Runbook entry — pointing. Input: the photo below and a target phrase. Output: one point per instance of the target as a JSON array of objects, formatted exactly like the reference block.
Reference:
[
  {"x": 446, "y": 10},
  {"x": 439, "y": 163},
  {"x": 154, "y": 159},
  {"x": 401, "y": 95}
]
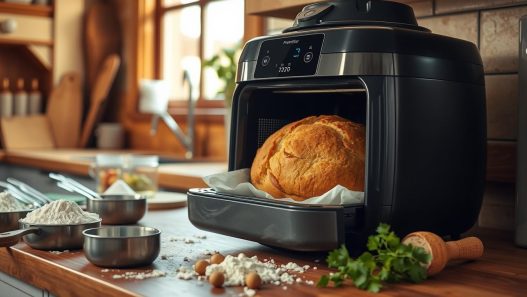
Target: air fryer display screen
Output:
[{"x": 293, "y": 56}]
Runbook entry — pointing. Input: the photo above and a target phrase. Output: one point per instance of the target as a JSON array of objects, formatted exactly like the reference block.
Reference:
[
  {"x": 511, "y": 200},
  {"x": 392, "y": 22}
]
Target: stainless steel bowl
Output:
[
  {"x": 57, "y": 237},
  {"x": 48, "y": 237},
  {"x": 118, "y": 209},
  {"x": 122, "y": 246},
  {"x": 9, "y": 219}
]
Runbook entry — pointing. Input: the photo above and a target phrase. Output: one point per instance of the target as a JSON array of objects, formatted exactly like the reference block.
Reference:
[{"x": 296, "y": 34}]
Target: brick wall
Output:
[{"x": 493, "y": 25}]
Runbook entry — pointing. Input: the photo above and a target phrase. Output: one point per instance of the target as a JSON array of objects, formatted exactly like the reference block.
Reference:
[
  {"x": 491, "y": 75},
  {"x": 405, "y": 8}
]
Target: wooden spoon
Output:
[{"x": 442, "y": 252}]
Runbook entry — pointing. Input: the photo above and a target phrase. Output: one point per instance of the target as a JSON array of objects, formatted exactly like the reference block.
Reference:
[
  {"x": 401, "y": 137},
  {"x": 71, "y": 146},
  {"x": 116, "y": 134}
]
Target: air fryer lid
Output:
[{"x": 355, "y": 12}]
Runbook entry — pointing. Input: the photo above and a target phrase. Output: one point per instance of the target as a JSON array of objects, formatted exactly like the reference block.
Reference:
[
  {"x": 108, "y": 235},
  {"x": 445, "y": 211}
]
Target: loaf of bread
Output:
[{"x": 309, "y": 157}]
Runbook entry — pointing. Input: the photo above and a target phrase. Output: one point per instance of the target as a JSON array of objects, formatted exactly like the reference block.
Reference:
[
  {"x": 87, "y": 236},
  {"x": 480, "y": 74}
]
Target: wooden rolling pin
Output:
[{"x": 442, "y": 252}]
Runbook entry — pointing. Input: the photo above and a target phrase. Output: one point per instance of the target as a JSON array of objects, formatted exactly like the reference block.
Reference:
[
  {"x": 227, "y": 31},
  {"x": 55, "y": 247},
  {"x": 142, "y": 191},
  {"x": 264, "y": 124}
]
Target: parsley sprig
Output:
[{"x": 387, "y": 260}]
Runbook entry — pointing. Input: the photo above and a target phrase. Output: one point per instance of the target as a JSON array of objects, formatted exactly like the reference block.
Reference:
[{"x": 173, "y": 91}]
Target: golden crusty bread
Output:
[{"x": 309, "y": 157}]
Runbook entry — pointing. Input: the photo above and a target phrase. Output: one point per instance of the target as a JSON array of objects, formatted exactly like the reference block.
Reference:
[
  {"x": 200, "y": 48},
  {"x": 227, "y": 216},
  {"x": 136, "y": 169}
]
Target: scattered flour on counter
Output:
[
  {"x": 235, "y": 269},
  {"x": 59, "y": 252},
  {"x": 60, "y": 212},
  {"x": 185, "y": 272},
  {"x": 9, "y": 203},
  {"x": 248, "y": 292},
  {"x": 139, "y": 275},
  {"x": 119, "y": 187},
  {"x": 186, "y": 240}
]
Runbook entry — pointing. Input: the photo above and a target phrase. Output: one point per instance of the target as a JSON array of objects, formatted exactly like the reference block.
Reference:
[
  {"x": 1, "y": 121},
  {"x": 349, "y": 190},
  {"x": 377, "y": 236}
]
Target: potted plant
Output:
[{"x": 225, "y": 64}]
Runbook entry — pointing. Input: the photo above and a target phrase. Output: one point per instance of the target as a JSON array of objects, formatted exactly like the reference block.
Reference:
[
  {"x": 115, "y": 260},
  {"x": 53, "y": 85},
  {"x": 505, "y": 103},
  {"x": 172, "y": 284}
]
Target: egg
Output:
[
  {"x": 201, "y": 266},
  {"x": 217, "y": 258},
  {"x": 216, "y": 279},
  {"x": 253, "y": 280}
]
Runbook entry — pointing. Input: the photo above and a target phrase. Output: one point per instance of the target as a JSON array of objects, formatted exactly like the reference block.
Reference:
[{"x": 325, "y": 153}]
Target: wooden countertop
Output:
[
  {"x": 501, "y": 272},
  {"x": 176, "y": 176}
]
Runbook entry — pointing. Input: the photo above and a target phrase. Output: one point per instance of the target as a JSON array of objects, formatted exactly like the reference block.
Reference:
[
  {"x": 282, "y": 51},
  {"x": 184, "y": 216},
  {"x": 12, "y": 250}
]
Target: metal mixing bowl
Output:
[
  {"x": 48, "y": 237},
  {"x": 122, "y": 246},
  {"x": 9, "y": 219},
  {"x": 118, "y": 209}
]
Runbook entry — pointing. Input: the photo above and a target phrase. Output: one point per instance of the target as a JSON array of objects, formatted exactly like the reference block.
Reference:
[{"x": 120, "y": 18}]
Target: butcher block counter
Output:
[
  {"x": 501, "y": 272},
  {"x": 179, "y": 175}
]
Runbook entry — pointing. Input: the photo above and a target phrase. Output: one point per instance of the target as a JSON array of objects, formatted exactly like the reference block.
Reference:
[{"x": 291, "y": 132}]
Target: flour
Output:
[
  {"x": 139, "y": 275},
  {"x": 60, "y": 212},
  {"x": 9, "y": 203},
  {"x": 185, "y": 272},
  {"x": 119, "y": 187},
  {"x": 236, "y": 268}
]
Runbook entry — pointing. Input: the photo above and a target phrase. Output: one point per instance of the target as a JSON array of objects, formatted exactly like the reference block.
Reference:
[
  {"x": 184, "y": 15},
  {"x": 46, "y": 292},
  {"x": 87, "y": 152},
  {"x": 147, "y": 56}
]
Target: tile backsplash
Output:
[{"x": 493, "y": 26}]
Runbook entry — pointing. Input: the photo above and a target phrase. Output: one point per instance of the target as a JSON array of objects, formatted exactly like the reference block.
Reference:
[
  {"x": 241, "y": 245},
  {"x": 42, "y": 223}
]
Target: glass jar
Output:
[
  {"x": 106, "y": 170},
  {"x": 140, "y": 173}
]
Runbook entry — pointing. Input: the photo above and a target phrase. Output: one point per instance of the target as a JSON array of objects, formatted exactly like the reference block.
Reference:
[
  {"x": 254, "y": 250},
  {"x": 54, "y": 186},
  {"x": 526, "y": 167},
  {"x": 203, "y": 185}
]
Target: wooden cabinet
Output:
[{"x": 26, "y": 45}]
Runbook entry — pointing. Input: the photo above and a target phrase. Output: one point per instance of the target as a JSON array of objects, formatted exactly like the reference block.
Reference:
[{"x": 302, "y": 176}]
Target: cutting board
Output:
[
  {"x": 28, "y": 132},
  {"x": 167, "y": 200},
  {"x": 64, "y": 111},
  {"x": 99, "y": 94},
  {"x": 101, "y": 37}
]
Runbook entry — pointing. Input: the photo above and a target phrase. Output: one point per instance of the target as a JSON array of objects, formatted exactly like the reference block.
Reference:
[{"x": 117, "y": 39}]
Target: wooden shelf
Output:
[
  {"x": 12, "y": 41},
  {"x": 27, "y": 9}
]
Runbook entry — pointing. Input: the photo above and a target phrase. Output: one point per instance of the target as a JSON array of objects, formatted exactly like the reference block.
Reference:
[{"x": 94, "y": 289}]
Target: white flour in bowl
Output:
[
  {"x": 9, "y": 203},
  {"x": 60, "y": 212},
  {"x": 119, "y": 187}
]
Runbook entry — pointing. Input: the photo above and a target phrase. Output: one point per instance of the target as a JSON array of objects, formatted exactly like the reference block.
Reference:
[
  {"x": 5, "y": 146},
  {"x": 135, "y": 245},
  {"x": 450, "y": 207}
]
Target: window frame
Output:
[
  {"x": 150, "y": 13},
  {"x": 179, "y": 106}
]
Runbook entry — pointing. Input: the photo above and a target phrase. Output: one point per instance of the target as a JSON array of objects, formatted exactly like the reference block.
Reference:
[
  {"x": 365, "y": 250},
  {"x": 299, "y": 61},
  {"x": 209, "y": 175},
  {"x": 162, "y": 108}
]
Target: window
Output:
[{"x": 193, "y": 31}]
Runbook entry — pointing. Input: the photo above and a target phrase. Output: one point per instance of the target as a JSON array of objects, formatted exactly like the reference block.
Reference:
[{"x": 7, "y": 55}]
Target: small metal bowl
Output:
[
  {"x": 122, "y": 246},
  {"x": 48, "y": 237},
  {"x": 9, "y": 219},
  {"x": 118, "y": 209}
]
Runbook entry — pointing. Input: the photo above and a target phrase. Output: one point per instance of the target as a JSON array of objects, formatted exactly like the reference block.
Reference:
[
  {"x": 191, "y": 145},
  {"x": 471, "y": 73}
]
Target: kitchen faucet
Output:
[{"x": 186, "y": 140}]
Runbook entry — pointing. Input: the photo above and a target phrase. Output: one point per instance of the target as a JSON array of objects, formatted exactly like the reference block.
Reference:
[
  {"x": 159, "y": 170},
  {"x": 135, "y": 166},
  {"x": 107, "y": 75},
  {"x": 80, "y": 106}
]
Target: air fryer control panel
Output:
[{"x": 292, "y": 56}]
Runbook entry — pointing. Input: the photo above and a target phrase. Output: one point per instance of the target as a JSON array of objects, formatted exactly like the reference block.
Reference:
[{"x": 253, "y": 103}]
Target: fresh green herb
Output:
[{"x": 388, "y": 260}]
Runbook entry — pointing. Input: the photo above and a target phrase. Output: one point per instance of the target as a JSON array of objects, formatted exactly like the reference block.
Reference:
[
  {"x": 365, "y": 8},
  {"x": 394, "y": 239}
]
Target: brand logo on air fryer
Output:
[{"x": 292, "y": 41}]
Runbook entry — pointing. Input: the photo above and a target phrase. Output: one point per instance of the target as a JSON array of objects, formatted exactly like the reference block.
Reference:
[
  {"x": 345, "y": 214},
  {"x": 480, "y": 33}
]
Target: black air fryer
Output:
[{"x": 420, "y": 95}]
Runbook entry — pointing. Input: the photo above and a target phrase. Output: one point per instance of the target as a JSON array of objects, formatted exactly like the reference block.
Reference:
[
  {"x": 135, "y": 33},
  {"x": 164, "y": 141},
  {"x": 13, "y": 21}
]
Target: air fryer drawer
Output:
[{"x": 274, "y": 223}]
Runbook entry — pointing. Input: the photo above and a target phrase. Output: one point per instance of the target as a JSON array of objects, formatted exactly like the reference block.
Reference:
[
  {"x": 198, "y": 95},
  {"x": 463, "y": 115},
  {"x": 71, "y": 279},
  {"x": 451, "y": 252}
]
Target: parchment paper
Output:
[{"x": 238, "y": 183}]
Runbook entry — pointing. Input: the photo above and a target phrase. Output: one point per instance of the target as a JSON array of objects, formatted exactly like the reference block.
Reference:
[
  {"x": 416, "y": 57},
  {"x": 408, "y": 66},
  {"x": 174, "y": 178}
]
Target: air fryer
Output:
[{"x": 421, "y": 97}]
